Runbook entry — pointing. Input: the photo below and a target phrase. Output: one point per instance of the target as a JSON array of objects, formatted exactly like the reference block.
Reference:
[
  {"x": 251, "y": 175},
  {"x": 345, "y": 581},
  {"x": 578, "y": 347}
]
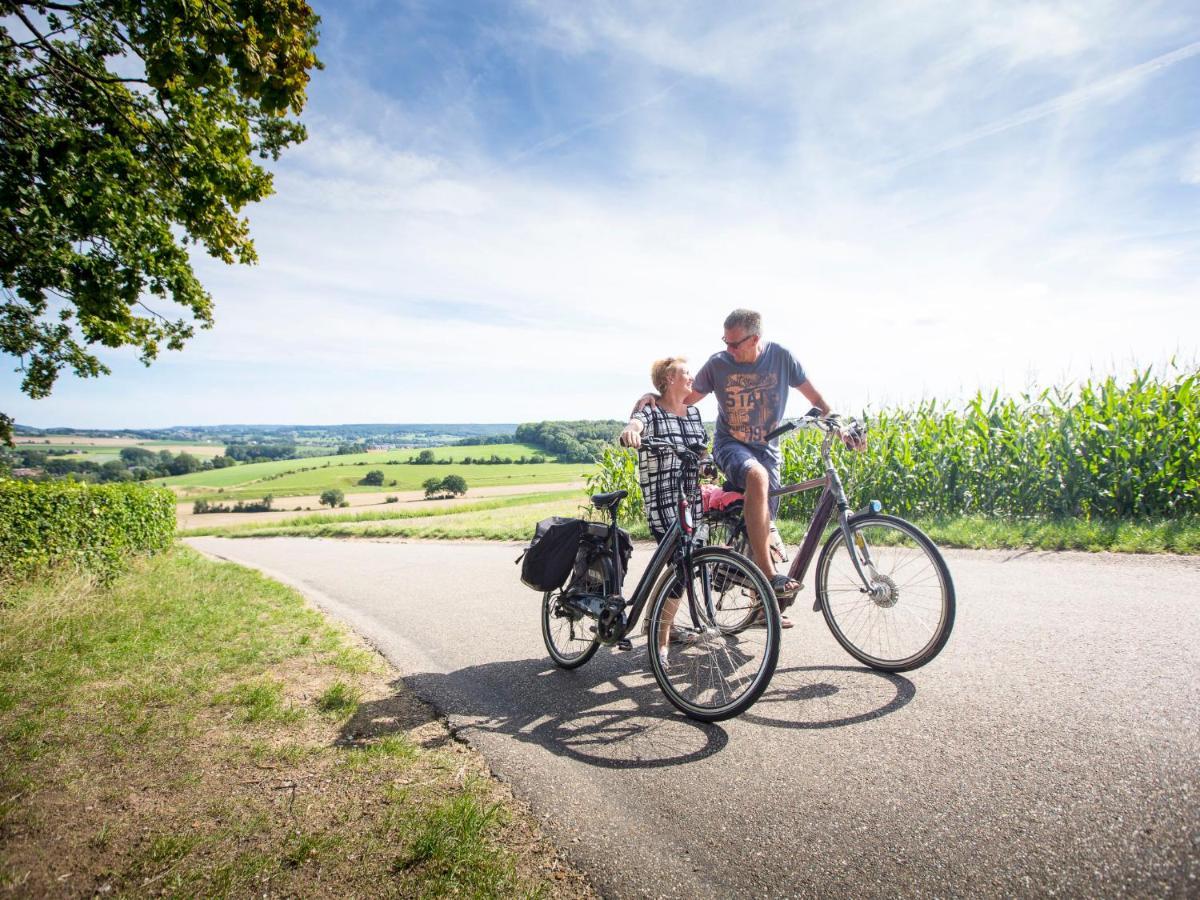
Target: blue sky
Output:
[{"x": 507, "y": 211}]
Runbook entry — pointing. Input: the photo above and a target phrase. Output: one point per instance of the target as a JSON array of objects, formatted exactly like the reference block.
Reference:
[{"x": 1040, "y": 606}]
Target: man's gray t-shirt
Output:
[{"x": 751, "y": 396}]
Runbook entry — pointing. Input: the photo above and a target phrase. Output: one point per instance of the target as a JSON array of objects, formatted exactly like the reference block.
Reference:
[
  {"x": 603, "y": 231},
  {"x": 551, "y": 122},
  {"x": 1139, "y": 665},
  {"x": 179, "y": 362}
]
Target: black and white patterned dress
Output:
[{"x": 659, "y": 474}]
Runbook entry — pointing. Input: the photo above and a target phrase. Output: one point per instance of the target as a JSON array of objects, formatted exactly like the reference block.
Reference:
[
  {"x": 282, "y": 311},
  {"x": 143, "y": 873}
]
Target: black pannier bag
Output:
[
  {"x": 550, "y": 556},
  {"x": 561, "y": 545},
  {"x": 593, "y": 573}
]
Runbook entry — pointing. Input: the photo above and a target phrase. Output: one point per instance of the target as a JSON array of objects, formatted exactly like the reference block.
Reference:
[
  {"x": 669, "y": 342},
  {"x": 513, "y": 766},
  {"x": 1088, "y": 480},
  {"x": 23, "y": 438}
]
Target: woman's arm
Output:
[{"x": 632, "y": 435}]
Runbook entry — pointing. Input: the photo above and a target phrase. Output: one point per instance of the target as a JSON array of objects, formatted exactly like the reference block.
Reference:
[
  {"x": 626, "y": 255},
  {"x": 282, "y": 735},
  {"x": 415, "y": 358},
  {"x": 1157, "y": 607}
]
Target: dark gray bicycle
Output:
[
  {"x": 883, "y": 586},
  {"x": 709, "y": 671}
]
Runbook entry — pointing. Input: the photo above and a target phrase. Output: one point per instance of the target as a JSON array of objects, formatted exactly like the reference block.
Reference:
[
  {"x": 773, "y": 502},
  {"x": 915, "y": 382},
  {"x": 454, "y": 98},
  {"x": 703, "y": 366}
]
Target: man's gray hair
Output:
[{"x": 746, "y": 319}]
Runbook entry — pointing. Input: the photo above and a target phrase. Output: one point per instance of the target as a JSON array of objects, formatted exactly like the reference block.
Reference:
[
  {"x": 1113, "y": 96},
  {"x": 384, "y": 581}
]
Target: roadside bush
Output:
[{"x": 92, "y": 527}]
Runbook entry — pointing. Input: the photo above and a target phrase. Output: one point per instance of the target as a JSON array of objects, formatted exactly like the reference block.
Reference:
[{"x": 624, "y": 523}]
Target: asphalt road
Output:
[{"x": 1053, "y": 747}]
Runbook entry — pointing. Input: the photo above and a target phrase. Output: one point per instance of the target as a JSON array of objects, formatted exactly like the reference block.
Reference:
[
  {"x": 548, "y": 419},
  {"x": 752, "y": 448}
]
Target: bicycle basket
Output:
[{"x": 550, "y": 557}]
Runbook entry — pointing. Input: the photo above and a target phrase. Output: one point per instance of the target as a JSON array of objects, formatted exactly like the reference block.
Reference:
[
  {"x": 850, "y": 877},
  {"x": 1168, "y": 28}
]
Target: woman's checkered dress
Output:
[{"x": 659, "y": 474}]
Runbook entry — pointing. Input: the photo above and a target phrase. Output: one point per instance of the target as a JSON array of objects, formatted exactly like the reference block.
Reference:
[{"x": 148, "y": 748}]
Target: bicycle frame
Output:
[
  {"x": 832, "y": 495},
  {"x": 676, "y": 547}
]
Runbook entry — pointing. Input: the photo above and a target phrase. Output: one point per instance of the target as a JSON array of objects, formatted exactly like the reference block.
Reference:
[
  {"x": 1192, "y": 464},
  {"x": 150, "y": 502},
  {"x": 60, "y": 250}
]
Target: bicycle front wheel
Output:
[
  {"x": 903, "y": 618},
  {"x": 569, "y": 637},
  {"x": 706, "y": 672}
]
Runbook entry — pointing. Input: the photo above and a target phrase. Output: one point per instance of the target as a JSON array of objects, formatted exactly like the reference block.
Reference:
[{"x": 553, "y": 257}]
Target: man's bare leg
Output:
[
  {"x": 758, "y": 521},
  {"x": 758, "y": 518}
]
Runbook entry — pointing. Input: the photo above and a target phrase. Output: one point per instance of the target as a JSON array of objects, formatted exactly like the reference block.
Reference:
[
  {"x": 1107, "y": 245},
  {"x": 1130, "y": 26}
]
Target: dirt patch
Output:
[
  {"x": 312, "y": 806},
  {"x": 359, "y": 502}
]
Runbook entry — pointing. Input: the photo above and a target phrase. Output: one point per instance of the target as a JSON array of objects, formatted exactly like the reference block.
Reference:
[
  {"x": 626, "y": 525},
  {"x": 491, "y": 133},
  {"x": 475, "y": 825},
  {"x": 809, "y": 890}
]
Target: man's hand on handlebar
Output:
[{"x": 855, "y": 437}]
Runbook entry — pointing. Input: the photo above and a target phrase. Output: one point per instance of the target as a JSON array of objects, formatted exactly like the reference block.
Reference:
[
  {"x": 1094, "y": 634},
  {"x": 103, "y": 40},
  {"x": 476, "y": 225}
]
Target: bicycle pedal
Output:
[{"x": 623, "y": 644}]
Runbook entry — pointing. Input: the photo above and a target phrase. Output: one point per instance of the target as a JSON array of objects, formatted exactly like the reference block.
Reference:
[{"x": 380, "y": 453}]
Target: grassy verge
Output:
[
  {"x": 985, "y": 533},
  {"x": 318, "y": 520},
  {"x": 509, "y": 523},
  {"x": 194, "y": 729},
  {"x": 513, "y": 519}
]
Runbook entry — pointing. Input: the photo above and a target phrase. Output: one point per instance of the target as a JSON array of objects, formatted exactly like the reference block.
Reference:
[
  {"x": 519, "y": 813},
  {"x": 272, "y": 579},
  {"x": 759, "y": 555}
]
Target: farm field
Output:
[
  {"x": 103, "y": 449},
  {"x": 363, "y": 506},
  {"x": 290, "y": 478}
]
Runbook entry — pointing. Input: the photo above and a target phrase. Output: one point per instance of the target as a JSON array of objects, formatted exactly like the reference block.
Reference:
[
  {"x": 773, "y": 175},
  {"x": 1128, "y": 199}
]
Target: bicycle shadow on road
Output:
[
  {"x": 610, "y": 712},
  {"x": 815, "y": 697}
]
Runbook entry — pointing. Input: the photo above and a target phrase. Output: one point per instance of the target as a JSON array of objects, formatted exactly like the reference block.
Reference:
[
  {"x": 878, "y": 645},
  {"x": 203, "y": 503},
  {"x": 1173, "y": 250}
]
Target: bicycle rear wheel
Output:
[
  {"x": 734, "y": 611},
  {"x": 570, "y": 637},
  {"x": 905, "y": 619},
  {"x": 709, "y": 673}
]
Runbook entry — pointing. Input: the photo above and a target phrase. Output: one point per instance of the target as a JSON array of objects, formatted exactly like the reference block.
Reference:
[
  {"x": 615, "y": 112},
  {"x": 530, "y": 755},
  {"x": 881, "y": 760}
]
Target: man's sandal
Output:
[{"x": 779, "y": 584}]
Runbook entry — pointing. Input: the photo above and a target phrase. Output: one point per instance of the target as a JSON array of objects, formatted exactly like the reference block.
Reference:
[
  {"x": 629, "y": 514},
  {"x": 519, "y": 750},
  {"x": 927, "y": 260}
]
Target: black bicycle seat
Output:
[{"x": 609, "y": 500}]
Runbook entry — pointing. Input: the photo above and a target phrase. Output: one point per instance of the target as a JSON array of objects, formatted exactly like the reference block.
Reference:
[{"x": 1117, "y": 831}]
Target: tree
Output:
[
  {"x": 454, "y": 484},
  {"x": 138, "y": 456},
  {"x": 424, "y": 458},
  {"x": 129, "y": 134},
  {"x": 374, "y": 477},
  {"x": 184, "y": 464},
  {"x": 332, "y": 497},
  {"x": 433, "y": 487}
]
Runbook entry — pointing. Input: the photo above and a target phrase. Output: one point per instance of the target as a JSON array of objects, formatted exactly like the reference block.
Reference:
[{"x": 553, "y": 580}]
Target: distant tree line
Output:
[
  {"x": 480, "y": 440},
  {"x": 247, "y": 506},
  {"x": 570, "y": 441},
  {"x": 133, "y": 464},
  {"x": 426, "y": 458},
  {"x": 260, "y": 452}
]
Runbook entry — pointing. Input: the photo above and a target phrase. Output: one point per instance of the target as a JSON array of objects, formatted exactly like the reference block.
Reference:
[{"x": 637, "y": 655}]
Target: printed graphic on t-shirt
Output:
[{"x": 749, "y": 404}]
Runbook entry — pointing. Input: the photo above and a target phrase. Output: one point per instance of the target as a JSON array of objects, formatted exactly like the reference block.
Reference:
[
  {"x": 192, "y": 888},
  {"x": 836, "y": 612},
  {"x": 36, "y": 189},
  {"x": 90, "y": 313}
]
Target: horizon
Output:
[{"x": 523, "y": 207}]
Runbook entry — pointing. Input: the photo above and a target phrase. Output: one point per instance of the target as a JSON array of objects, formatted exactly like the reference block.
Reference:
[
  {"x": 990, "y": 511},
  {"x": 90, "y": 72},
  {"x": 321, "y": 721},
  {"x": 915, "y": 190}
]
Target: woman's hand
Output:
[{"x": 632, "y": 435}]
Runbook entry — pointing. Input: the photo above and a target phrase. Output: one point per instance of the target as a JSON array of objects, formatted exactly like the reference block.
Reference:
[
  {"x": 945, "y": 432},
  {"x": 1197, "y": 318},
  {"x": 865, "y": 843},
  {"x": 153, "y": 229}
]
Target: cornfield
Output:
[{"x": 1101, "y": 450}]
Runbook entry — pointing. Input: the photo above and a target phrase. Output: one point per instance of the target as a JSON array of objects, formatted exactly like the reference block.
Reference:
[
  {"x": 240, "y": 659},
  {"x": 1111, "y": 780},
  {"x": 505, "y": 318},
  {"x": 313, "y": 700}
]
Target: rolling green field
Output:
[{"x": 292, "y": 478}]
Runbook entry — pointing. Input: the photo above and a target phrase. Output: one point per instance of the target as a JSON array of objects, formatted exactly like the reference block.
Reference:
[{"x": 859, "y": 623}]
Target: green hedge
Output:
[{"x": 91, "y": 526}]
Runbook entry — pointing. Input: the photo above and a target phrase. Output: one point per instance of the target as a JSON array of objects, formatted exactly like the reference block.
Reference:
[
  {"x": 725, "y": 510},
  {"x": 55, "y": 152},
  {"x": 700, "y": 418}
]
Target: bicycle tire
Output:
[
  {"x": 909, "y": 624},
  {"x": 713, "y": 675},
  {"x": 735, "y": 616},
  {"x": 568, "y": 647}
]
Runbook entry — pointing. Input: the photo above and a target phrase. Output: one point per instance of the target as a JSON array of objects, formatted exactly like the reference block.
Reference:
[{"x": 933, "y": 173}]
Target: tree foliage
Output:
[
  {"x": 332, "y": 497},
  {"x": 130, "y": 131}
]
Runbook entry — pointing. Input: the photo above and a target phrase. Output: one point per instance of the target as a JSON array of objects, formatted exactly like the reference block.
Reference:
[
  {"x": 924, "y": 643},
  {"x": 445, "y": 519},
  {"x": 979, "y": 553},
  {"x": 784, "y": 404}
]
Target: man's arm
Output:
[
  {"x": 855, "y": 441},
  {"x": 652, "y": 400},
  {"x": 814, "y": 397}
]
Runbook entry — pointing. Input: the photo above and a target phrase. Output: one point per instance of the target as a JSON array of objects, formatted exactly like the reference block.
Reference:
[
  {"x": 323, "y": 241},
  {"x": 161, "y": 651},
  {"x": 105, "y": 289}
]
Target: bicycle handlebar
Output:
[
  {"x": 814, "y": 419},
  {"x": 692, "y": 451}
]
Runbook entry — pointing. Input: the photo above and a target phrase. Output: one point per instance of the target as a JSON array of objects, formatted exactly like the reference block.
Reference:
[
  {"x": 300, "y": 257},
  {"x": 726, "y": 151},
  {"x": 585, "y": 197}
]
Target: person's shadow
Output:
[{"x": 611, "y": 713}]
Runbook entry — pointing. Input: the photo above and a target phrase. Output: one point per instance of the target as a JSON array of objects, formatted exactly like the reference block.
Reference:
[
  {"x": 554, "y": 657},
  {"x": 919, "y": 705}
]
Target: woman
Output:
[{"x": 660, "y": 474}]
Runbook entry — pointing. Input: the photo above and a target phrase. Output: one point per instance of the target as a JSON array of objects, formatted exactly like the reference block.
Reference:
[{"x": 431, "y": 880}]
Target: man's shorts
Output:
[{"x": 734, "y": 459}]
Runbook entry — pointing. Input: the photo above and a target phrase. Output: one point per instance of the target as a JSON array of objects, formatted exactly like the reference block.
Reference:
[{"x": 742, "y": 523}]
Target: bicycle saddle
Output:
[{"x": 609, "y": 500}]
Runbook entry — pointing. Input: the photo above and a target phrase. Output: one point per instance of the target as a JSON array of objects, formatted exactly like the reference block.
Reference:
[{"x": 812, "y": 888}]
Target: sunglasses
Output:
[{"x": 733, "y": 345}]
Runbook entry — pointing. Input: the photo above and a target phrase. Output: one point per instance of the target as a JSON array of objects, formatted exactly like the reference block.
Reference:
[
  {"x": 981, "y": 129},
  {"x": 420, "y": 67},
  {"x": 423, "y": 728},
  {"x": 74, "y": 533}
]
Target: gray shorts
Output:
[{"x": 734, "y": 459}]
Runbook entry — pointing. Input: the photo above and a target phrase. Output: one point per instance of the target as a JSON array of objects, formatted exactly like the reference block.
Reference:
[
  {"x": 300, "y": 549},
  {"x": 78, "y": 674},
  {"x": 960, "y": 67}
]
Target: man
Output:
[{"x": 751, "y": 378}]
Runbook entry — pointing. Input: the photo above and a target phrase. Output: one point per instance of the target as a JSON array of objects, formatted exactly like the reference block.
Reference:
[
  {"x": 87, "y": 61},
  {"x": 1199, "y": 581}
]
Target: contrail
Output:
[
  {"x": 1070, "y": 100},
  {"x": 557, "y": 140}
]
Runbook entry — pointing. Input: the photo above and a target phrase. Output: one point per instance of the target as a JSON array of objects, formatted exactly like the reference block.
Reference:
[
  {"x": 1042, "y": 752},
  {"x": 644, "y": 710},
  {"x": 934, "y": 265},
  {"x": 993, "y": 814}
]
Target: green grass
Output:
[
  {"x": 987, "y": 533},
  {"x": 220, "y": 698},
  {"x": 498, "y": 524},
  {"x": 358, "y": 464},
  {"x": 318, "y": 520},
  {"x": 407, "y": 478}
]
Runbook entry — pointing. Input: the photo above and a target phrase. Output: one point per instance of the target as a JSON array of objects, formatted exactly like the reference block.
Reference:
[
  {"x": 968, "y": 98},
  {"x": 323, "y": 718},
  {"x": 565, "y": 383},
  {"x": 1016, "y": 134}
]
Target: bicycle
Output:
[
  {"x": 711, "y": 673},
  {"x": 891, "y": 604}
]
